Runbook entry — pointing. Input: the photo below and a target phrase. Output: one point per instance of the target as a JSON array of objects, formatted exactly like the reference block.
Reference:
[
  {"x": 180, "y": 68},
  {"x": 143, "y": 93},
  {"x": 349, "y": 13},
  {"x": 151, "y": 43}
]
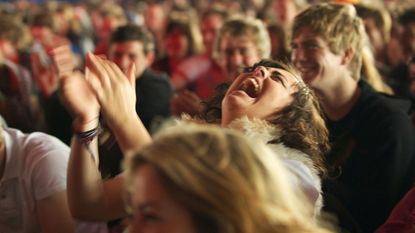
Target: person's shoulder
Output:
[
  {"x": 377, "y": 103},
  {"x": 36, "y": 143},
  {"x": 153, "y": 82},
  {"x": 44, "y": 139},
  {"x": 149, "y": 75}
]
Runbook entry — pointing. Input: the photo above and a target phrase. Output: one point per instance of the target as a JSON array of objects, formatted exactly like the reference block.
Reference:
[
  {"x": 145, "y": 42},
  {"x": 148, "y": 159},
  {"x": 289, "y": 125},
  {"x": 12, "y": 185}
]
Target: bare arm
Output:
[
  {"x": 53, "y": 214},
  {"x": 89, "y": 197}
]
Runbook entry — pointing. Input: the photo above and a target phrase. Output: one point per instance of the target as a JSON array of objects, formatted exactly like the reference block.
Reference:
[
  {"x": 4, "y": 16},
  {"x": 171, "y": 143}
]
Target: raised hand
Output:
[
  {"x": 76, "y": 93},
  {"x": 64, "y": 60},
  {"x": 43, "y": 71},
  {"x": 114, "y": 90}
]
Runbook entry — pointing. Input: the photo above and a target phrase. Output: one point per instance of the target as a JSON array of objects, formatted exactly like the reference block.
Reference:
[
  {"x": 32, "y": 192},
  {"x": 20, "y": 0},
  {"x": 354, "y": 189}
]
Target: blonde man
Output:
[
  {"x": 241, "y": 42},
  {"x": 372, "y": 161}
]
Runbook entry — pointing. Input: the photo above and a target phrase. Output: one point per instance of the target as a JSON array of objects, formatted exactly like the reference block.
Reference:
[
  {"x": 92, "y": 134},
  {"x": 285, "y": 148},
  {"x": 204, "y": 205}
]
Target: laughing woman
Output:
[{"x": 269, "y": 102}]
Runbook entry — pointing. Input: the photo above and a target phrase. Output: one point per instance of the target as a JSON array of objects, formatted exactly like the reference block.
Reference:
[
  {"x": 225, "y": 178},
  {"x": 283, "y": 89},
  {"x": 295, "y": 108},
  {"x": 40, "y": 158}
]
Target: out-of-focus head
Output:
[
  {"x": 406, "y": 32},
  {"x": 286, "y": 10},
  {"x": 42, "y": 25},
  {"x": 378, "y": 24},
  {"x": 204, "y": 179},
  {"x": 182, "y": 36},
  {"x": 111, "y": 16},
  {"x": 212, "y": 21},
  {"x": 14, "y": 36},
  {"x": 132, "y": 44},
  {"x": 155, "y": 17},
  {"x": 279, "y": 41},
  {"x": 325, "y": 37},
  {"x": 241, "y": 42}
]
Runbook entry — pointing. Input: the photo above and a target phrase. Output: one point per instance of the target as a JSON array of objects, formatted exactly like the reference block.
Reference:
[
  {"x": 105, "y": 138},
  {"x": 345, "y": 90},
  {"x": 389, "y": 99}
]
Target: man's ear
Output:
[
  {"x": 348, "y": 55},
  {"x": 150, "y": 57}
]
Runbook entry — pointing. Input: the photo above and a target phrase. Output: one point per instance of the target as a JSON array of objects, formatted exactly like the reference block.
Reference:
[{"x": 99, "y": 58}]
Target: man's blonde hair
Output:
[
  {"x": 251, "y": 28},
  {"x": 339, "y": 26}
]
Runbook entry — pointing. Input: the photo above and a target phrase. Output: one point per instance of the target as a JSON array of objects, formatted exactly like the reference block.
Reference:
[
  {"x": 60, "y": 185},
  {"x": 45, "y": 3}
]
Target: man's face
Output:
[
  {"x": 7, "y": 51},
  {"x": 237, "y": 53},
  {"x": 314, "y": 59},
  {"x": 125, "y": 53},
  {"x": 209, "y": 27}
]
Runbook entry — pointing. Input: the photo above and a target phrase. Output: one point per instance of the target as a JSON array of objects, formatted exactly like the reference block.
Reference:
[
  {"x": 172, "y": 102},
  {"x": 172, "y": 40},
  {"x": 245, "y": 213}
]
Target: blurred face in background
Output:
[
  {"x": 237, "y": 53},
  {"x": 7, "y": 51},
  {"x": 125, "y": 53},
  {"x": 154, "y": 18},
  {"x": 209, "y": 27},
  {"x": 375, "y": 35},
  {"x": 176, "y": 44}
]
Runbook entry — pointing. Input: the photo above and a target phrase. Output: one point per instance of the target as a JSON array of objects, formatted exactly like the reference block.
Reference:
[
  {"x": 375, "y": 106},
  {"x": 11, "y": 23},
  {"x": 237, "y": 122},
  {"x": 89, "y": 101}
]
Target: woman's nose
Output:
[{"x": 260, "y": 71}]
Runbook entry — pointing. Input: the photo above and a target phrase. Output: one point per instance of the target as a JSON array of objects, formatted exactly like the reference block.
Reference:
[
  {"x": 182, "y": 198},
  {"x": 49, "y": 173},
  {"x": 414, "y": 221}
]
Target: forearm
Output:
[
  {"x": 53, "y": 214},
  {"x": 131, "y": 134},
  {"x": 84, "y": 180},
  {"x": 91, "y": 198}
]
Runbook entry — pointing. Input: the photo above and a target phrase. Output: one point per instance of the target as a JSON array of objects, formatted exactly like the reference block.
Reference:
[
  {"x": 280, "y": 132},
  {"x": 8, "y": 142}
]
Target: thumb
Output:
[{"x": 131, "y": 74}]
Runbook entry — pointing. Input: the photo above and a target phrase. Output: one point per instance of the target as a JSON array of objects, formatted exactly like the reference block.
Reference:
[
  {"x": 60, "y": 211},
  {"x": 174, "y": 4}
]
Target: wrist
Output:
[{"x": 80, "y": 125}]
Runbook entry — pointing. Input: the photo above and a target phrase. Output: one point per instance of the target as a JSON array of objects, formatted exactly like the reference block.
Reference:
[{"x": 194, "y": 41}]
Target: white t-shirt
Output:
[{"x": 36, "y": 167}]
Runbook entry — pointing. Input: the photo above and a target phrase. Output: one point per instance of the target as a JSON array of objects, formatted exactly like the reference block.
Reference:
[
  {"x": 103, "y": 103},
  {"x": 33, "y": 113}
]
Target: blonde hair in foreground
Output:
[{"x": 227, "y": 182}]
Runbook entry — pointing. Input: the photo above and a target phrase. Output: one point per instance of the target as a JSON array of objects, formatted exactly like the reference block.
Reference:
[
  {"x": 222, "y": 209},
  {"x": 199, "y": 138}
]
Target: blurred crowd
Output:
[{"x": 182, "y": 59}]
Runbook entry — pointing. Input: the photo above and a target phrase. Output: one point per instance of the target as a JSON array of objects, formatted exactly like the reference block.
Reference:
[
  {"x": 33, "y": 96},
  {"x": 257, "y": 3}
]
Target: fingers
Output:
[
  {"x": 64, "y": 60},
  {"x": 94, "y": 84},
  {"x": 97, "y": 67},
  {"x": 131, "y": 74}
]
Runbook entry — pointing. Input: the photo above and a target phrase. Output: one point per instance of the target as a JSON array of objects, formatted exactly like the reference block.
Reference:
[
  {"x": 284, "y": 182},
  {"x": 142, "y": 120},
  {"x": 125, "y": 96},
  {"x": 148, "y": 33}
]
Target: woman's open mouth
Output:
[{"x": 251, "y": 87}]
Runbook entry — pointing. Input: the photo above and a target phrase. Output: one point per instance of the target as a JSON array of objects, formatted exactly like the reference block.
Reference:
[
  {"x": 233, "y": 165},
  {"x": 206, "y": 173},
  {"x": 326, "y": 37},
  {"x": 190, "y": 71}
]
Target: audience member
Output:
[
  {"x": 19, "y": 102},
  {"x": 279, "y": 42},
  {"x": 399, "y": 76},
  {"x": 240, "y": 42},
  {"x": 206, "y": 179},
  {"x": 182, "y": 39},
  {"x": 132, "y": 44},
  {"x": 106, "y": 17},
  {"x": 259, "y": 103},
  {"x": 378, "y": 25},
  {"x": 196, "y": 77},
  {"x": 33, "y": 183},
  {"x": 371, "y": 165}
]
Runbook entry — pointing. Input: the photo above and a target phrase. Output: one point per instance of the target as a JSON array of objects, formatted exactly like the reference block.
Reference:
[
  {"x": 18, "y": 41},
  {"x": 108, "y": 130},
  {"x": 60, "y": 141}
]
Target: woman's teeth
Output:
[{"x": 251, "y": 87}]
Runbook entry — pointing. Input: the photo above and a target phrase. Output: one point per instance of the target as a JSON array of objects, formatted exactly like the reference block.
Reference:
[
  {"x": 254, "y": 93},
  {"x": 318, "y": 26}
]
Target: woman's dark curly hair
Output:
[{"x": 301, "y": 123}]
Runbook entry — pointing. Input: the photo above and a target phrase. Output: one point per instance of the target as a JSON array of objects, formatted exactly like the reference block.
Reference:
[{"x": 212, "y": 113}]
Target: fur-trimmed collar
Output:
[{"x": 265, "y": 132}]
